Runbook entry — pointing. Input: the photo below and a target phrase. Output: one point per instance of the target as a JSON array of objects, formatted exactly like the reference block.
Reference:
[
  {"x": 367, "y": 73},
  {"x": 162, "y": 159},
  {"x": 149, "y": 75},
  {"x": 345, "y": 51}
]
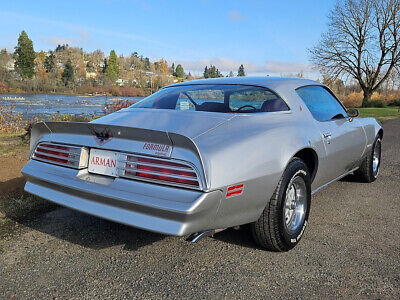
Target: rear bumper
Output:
[{"x": 153, "y": 207}]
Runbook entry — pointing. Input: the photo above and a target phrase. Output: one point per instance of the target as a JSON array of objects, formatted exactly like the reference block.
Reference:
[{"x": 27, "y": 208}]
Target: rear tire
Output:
[
  {"x": 369, "y": 168},
  {"x": 284, "y": 219}
]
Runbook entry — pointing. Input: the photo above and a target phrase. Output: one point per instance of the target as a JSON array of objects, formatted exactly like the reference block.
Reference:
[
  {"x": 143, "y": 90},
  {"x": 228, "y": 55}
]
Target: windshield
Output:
[{"x": 215, "y": 98}]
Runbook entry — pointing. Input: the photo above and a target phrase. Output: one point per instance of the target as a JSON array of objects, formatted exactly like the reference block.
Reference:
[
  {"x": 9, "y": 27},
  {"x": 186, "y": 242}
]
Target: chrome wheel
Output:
[
  {"x": 376, "y": 157},
  {"x": 295, "y": 206}
]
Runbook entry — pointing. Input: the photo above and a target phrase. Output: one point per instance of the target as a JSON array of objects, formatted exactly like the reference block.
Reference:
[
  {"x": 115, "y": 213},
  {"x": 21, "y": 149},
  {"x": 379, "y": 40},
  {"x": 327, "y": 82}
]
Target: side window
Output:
[
  {"x": 260, "y": 99},
  {"x": 184, "y": 103},
  {"x": 322, "y": 105}
]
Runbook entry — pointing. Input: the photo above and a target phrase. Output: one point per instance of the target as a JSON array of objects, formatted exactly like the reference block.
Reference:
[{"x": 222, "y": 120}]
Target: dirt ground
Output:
[
  {"x": 11, "y": 180},
  {"x": 350, "y": 249}
]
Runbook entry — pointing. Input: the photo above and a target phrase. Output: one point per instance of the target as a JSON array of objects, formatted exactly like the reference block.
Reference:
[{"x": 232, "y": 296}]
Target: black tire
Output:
[
  {"x": 366, "y": 172},
  {"x": 270, "y": 230}
]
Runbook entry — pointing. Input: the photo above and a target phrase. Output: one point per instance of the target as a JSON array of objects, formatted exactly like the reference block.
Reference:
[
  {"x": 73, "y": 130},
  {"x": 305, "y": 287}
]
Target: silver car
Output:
[{"x": 200, "y": 156}]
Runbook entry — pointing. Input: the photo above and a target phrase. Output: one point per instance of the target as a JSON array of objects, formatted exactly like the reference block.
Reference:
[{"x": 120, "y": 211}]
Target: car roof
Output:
[{"x": 273, "y": 83}]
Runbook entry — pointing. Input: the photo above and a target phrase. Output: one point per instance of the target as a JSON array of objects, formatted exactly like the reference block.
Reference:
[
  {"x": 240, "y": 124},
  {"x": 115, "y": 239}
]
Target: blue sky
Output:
[{"x": 268, "y": 37}]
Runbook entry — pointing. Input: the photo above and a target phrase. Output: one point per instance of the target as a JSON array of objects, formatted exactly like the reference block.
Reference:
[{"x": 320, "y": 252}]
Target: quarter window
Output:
[{"x": 321, "y": 103}]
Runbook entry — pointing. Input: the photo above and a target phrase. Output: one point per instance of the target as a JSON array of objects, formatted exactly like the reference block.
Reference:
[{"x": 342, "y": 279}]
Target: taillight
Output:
[
  {"x": 160, "y": 170},
  {"x": 69, "y": 156}
]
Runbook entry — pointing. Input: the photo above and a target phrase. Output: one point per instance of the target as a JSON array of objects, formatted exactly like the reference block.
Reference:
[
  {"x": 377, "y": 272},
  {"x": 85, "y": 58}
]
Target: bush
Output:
[
  {"x": 116, "y": 106},
  {"x": 375, "y": 103},
  {"x": 395, "y": 103},
  {"x": 12, "y": 121},
  {"x": 353, "y": 100},
  {"x": 71, "y": 117}
]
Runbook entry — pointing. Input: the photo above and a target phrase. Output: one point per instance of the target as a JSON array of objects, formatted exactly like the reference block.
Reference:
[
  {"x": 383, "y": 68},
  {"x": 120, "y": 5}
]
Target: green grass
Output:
[{"x": 380, "y": 114}]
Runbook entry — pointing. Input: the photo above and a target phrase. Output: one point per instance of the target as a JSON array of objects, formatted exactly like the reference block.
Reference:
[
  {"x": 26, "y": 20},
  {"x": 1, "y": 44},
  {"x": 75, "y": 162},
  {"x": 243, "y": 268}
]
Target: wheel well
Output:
[
  {"x": 310, "y": 158},
  {"x": 380, "y": 133}
]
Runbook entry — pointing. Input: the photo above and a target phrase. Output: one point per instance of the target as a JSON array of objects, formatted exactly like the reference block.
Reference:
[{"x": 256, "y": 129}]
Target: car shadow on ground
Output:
[
  {"x": 350, "y": 178},
  {"x": 240, "y": 237},
  {"x": 12, "y": 188},
  {"x": 96, "y": 233},
  {"x": 88, "y": 231}
]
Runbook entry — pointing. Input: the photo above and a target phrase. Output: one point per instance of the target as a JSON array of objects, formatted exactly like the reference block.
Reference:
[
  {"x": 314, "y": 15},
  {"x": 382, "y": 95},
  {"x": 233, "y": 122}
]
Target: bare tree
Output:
[{"x": 362, "y": 42}]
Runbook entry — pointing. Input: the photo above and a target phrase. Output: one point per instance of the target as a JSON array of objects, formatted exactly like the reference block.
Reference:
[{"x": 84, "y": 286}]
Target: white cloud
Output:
[{"x": 235, "y": 16}]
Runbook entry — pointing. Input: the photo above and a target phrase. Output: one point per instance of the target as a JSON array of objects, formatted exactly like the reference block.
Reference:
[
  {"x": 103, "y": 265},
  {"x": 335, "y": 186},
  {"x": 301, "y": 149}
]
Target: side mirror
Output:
[{"x": 352, "y": 112}]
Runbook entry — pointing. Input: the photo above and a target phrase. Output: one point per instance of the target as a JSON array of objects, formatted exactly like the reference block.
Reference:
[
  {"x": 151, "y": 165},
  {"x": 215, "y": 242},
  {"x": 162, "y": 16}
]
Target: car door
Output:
[{"x": 343, "y": 137}]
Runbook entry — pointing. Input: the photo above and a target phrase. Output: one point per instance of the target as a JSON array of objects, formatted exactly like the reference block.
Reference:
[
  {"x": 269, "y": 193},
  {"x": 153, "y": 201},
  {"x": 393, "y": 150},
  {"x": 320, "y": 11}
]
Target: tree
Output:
[
  {"x": 241, "y": 72},
  {"x": 24, "y": 56},
  {"x": 112, "y": 69},
  {"x": 40, "y": 71},
  {"x": 146, "y": 64},
  {"x": 105, "y": 64},
  {"x": 211, "y": 72},
  {"x": 68, "y": 73},
  {"x": 231, "y": 74},
  {"x": 49, "y": 62},
  {"x": 62, "y": 47},
  {"x": 179, "y": 72},
  {"x": 362, "y": 42}
]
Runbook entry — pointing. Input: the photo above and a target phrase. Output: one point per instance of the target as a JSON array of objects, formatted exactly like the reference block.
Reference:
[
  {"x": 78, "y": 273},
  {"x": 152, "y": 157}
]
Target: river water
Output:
[{"x": 46, "y": 104}]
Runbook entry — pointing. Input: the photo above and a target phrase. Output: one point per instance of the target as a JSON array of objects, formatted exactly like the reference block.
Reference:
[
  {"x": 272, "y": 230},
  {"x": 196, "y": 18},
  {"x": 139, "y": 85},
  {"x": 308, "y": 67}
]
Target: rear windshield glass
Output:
[{"x": 215, "y": 98}]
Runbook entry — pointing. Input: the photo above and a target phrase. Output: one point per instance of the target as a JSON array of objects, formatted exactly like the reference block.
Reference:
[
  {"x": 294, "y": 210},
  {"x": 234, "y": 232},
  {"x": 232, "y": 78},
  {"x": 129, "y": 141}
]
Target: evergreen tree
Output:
[
  {"x": 173, "y": 69},
  {"x": 241, "y": 72},
  {"x": 24, "y": 56},
  {"x": 49, "y": 62},
  {"x": 112, "y": 69},
  {"x": 68, "y": 73},
  {"x": 212, "y": 72},
  {"x": 231, "y": 74},
  {"x": 205, "y": 73},
  {"x": 179, "y": 72},
  {"x": 147, "y": 64}
]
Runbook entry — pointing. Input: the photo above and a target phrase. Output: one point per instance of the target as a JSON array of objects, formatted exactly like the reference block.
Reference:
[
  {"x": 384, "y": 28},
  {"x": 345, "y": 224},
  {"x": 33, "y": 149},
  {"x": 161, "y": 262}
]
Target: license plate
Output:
[{"x": 103, "y": 162}]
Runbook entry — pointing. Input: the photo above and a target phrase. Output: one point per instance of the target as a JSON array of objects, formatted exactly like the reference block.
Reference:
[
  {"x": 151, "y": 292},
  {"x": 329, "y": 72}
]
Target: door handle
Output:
[{"x": 327, "y": 136}]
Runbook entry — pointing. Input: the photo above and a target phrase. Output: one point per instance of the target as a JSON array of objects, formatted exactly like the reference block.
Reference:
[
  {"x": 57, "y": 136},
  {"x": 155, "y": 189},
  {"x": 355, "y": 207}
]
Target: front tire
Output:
[
  {"x": 369, "y": 168},
  {"x": 284, "y": 219}
]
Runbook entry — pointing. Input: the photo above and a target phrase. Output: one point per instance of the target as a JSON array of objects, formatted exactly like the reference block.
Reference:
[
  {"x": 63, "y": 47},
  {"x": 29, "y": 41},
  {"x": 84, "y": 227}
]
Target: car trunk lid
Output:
[{"x": 188, "y": 123}]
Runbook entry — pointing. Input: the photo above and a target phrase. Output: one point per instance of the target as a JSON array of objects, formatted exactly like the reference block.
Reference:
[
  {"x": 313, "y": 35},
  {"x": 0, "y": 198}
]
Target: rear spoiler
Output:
[{"x": 103, "y": 131}]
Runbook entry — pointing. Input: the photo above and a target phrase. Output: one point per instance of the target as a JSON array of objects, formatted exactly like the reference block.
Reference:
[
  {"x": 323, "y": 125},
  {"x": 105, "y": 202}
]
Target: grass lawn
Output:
[{"x": 381, "y": 114}]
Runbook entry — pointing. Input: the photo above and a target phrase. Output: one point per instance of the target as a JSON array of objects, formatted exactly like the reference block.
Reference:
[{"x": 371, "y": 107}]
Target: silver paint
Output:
[{"x": 226, "y": 149}]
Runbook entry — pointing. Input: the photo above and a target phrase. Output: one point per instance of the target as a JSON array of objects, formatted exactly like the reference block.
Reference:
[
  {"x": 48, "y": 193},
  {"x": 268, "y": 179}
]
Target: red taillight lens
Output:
[
  {"x": 70, "y": 156},
  {"x": 43, "y": 151},
  {"x": 160, "y": 170}
]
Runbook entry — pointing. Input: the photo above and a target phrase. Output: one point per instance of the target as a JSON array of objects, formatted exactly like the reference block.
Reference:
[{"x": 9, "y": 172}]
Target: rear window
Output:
[{"x": 215, "y": 98}]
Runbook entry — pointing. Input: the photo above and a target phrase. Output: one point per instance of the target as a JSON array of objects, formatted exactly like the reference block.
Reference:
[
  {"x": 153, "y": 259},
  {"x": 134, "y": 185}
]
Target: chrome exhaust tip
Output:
[{"x": 195, "y": 237}]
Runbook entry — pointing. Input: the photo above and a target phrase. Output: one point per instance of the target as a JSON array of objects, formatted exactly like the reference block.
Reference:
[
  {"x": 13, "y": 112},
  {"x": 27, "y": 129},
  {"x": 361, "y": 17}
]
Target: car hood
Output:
[{"x": 188, "y": 123}]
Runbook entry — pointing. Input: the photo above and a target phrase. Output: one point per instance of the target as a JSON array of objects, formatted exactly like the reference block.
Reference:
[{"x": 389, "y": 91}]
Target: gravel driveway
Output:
[{"x": 351, "y": 249}]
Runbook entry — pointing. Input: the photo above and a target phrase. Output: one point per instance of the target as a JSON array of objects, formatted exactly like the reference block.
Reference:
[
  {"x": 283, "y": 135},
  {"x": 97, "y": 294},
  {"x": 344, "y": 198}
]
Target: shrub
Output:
[
  {"x": 12, "y": 121},
  {"x": 395, "y": 103},
  {"x": 375, "y": 103},
  {"x": 353, "y": 100},
  {"x": 116, "y": 106},
  {"x": 3, "y": 88},
  {"x": 71, "y": 117}
]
